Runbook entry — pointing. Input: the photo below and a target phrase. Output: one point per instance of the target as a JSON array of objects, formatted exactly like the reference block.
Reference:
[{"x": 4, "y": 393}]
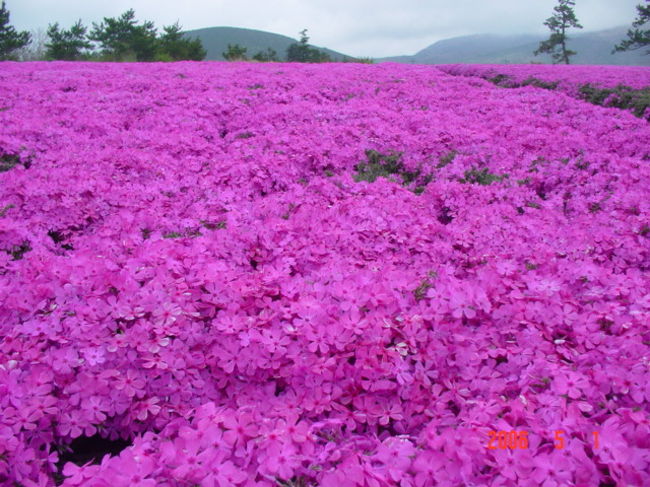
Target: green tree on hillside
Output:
[
  {"x": 174, "y": 46},
  {"x": 67, "y": 45},
  {"x": 563, "y": 19},
  {"x": 637, "y": 37},
  {"x": 10, "y": 40},
  {"x": 123, "y": 39},
  {"x": 270, "y": 55},
  {"x": 302, "y": 52},
  {"x": 235, "y": 52}
]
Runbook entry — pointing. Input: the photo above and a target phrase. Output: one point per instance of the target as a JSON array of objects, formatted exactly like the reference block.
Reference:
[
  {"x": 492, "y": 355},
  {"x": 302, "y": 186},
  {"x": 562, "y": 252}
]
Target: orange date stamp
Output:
[{"x": 518, "y": 440}]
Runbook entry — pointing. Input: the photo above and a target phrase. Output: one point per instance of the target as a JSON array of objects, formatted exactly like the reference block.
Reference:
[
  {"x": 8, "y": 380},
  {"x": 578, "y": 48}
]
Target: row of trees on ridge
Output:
[
  {"x": 298, "y": 52},
  {"x": 120, "y": 38},
  {"x": 125, "y": 39}
]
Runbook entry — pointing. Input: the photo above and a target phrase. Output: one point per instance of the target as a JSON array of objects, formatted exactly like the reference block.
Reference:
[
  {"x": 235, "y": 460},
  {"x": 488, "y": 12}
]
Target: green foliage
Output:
[
  {"x": 18, "y": 251},
  {"x": 387, "y": 166},
  {"x": 547, "y": 85},
  {"x": 10, "y": 40},
  {"x": 420, "y": 292},
  {"x": 505, "y": 81},
  {"x": 210, "y": 225},
  {"x": 638, "y": 101},
  {"x": 268, "y": 56},
  {"x": 482, "y": 177},
  {"x": 359, "y": 60},
  {"x": 637, "y": 37},
  {"x": 378, "y": 165},
  {"x": 563, "y": 19},
  {"x": 447, "y": 159},
  {"x": 125, "y": 39},
  {"x": 9, "y": 161},
  {"x": 5, "y": 209},
  {"x": 174, "y": 46},
  {"x": 122, "y": 38},
  {"x": 302, "y": 52},
  {"x": 235, "y": 52},
  {"x": 67, "y": 45}
]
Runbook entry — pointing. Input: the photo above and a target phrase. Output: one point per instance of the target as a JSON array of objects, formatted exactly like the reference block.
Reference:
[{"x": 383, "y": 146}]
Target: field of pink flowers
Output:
[
  {"x": 637, "y": 77},
  {"x": 615, "y": 83},
  {"x": 333, "y": 275}
]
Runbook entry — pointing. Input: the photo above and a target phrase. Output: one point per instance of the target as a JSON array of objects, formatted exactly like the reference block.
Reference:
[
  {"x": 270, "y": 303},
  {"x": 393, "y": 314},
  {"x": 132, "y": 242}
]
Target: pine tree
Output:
[
  {"x": 235, "y": 52},
  {"x": 174, "y": 46},
  {"x": 302, "y": 52},
  {"x": 123, "y": 39},
  {"x": 10, "y": 40},
  {"x": 67, "y": 45},
  {"x": 636, "y": 37},
  {"x": 268, "y": 56},
  {"x": 556, "y": 45}
]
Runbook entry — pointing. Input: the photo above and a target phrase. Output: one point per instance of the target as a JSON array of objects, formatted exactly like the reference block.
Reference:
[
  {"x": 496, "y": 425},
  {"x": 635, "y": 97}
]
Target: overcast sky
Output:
[{"x": 356, "y": 27}]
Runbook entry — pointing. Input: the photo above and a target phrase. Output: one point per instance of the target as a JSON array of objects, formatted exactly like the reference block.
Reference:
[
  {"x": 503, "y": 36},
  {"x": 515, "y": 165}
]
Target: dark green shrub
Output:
[
  {"x": 9, "y": 161},
  {"x": 482, "y": 177},
  {"x": 624, "y": 97}
]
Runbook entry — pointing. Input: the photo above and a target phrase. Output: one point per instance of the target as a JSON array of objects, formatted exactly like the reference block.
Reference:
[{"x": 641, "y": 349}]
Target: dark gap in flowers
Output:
[
  {"x": 280, "y": 386},
  {"x": 541, "y": 192},
  {"x": 91, "y": 449},
  {"x": 18, "y": 251},
  {"x": 253, "y": 263},
  {"x": 9, "y": 161},
  {"x": 453, "y": 407},
  {"x": 608, "y": 481},
  {"x": 445, "y": 216},
  {"x": 58, "y": 237}
]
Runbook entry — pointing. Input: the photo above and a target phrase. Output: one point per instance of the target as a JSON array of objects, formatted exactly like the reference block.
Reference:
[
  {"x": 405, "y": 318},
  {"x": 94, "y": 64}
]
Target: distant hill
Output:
[
  {"x": 592, "y": 48},
  {"x": 216, "y": 39}
]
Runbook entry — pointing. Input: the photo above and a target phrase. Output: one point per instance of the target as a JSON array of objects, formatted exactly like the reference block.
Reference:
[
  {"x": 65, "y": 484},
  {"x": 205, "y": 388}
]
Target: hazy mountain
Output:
[
  {"x": 592, "y": 48},
  {"x": 216, "y": 39}
]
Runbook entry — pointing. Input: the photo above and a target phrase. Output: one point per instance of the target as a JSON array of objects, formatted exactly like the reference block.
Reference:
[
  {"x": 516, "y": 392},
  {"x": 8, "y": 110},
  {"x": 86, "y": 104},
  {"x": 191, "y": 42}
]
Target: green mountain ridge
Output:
[
  {"x": 216, "y": 39},
  {"x": 592, "y": 47}
]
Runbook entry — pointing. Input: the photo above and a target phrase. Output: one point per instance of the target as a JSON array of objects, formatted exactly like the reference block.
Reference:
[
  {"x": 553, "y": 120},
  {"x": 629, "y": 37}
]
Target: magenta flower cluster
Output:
[{"x": 188, "y": 263}]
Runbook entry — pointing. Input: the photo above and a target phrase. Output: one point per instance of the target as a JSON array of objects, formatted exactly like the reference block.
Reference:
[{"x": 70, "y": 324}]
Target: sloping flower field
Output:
[
  {"x": 319, "y": 275},
  {"x": 567, "y": 76},
  {"x": 610, "y": 86}
]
